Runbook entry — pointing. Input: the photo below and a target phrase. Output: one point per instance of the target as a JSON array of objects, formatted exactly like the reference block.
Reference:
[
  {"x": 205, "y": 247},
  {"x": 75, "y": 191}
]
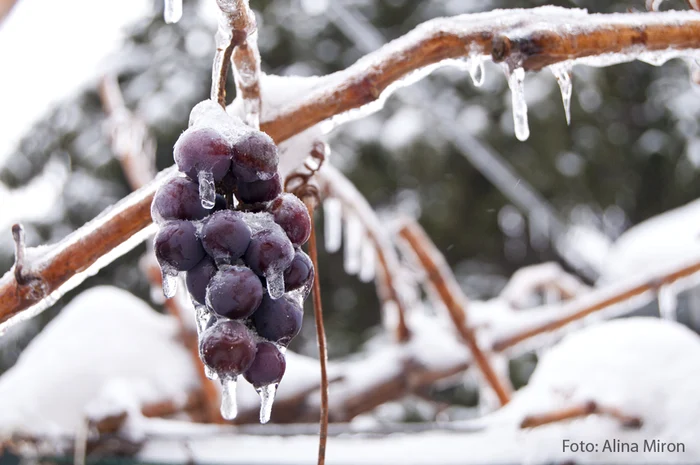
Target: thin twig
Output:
[
  {"x": 454, "y": 299},
  {"x": 579, "y": 411},
  {"x": 321, "y": 336},
  {"x": 20, "y": 248}
]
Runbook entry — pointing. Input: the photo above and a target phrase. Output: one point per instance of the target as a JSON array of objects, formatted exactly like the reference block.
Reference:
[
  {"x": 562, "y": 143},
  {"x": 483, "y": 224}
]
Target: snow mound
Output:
[{"x": 104, "y": 334}]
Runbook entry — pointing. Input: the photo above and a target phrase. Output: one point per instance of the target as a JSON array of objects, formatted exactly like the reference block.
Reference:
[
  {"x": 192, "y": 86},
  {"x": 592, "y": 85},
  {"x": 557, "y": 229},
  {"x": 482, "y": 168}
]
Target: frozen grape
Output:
[
  {"x": 255, "y": 157},
  {"x": 203, "y": 149},
  {"x": 300, "y": 273},
  {"x": 198, "y": 279},
  {"x": 291, "y": 213},
  {"x": 259, "y": 191},
  {"x": 234, "y": 292},
  {"x": 227, "y": 348},
  {"x": 278, "y": 320},
  {"x": 177, "y": 246},
  {"x": 225, "y": 236},
  {"x": 268, "y": 366},
  {"x": 177, "y": 199},
  {"x": 269, "y": 250}
]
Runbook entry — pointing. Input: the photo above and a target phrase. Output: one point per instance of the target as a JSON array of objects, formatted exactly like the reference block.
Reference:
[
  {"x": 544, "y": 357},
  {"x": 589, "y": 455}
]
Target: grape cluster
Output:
[{"x": 245, "y": 271}]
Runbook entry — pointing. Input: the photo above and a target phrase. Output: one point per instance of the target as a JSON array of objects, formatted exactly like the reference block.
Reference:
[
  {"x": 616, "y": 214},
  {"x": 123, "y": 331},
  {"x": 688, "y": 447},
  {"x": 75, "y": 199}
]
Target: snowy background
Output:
[{"x": 609, "y": 197}]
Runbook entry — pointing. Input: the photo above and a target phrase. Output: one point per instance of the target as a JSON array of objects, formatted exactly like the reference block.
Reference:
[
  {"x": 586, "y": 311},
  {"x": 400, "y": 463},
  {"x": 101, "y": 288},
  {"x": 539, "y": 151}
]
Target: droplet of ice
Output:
[
  {"x": 562, "y": 73},
  {"x": 201, "y": 315},
  {"x": 267, "y": 398},
  {"x": 476, "y": 69},
  {"x": 229, "y": 407},
  {"x": 207, "y": 189},
  {"x": 368, "y": 261},
  {"x": 173, "y": 11},
  {"x": 333, "y": 224},
  {"x": 354, "y": 237},
  {"x": 275, "y": 283},
  {"x": 516, "y": 82},
  {"x": 668, "y": 303},
  {"x": 169, "y": 283}
]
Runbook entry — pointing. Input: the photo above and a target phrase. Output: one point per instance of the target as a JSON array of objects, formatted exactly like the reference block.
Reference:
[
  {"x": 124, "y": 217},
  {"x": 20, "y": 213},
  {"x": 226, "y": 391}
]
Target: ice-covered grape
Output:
[
  {"x": 300, "y": 273},
  {"x": 278, "y": 320},
  {"x": 268, "y": 366},
  {"x": 227, "y": 348},
  {"x": 269, "y": 250},
  {"x": 198, "y": 279},
  {"x": 255, "y": 157},
  {"x": 203, "y": 149},
  {"x": 177, "y": 199},
  {"x": 259, "y": 191},
  {"x": 177, "y": 246},
  {"x": 234, "y": 292},
  {"x": 225, "y": 236},
  {"x": 291, "y": 213}
]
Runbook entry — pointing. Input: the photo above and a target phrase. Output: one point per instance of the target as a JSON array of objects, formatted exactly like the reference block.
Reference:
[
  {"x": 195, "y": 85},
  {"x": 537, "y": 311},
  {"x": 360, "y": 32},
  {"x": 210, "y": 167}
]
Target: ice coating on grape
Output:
[
  {"x": 203, "y": 149},
  {"x": 269, "y": 252},
  {"x": 300, "y": 274},
  {"x": 278, "y": 320},
  {"x": 227, "y": 348},
  {"x": 234, "y": 292},
  {"x": 225, "y": 236},
  {"x": 177, "y": 199},
  {"x": 198, "y": 278},
  {"x": 255, "y": 157},
  {"x": 201, "y": 317},
  {"x": 268, "y": 367},
  {"x": 229, "y": 406},
  {"x": 259, "y": 191},
  {"x": 275, "y": 283},
  {"x": 177, "y": 246},
  {"x": 207, "y": 189},
  {"x": 293, "y": 216},
  {"x": 169, "y": 283}
]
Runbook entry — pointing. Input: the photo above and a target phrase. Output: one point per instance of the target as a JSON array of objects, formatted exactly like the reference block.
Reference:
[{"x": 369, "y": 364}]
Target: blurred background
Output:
[{"x": 442, "y": 150}]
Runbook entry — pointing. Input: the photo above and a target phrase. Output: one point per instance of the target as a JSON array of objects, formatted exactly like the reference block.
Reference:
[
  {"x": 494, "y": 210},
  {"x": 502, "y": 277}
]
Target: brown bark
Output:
[{"x": 579, "y": 411}]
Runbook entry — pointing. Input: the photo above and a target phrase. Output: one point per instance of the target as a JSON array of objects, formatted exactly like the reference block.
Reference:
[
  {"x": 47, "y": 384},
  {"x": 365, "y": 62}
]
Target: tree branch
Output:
[{"x": 579, "y": 411}]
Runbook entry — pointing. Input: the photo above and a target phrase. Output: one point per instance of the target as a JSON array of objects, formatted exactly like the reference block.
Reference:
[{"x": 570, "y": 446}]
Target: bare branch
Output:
[{"x": 579, "y": 411}]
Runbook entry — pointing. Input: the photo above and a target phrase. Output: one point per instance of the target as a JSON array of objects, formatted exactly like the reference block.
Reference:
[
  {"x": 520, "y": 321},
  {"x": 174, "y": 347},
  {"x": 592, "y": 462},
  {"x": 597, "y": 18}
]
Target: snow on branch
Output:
[{"x": 530, "y": 39}]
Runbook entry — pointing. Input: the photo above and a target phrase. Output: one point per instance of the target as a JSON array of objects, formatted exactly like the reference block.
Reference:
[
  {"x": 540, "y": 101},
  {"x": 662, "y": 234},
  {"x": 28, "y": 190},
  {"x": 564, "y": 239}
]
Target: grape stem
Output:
[{"x": 320, "y": 335}]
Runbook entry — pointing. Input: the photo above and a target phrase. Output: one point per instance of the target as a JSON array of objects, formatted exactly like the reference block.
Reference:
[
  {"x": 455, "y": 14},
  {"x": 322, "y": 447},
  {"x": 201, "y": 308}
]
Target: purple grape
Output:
[
  {"x": 219, "y": 203},
  {"x": 291, "y": 213},
  {"x": 227, "y": 348},
  {"x": 300, "y": 273},
  {"x": 234, "y": 292},
  {"x": 269, "y": 249},
  {"x": 259, "y": 191},
  {"x": 268, "y": 366},
  {"x": 255, "y": 157},
  {"x": 177, "y": 247},
  {"x": 198, "y": 279},
  {"x": 225, "y": 236},
  {"x": 203, "y": 149},
  {"x": 278, "y": 320},
  {"x": 177, "y": 199}
]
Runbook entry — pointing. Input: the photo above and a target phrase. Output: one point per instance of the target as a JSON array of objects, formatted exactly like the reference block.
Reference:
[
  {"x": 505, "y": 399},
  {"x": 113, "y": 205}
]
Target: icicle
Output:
[
  {"x": 267, "y": 398},
  {"x": 201, "y": 315},
  {"x": 207, "y": 189},
  {"x": 333, "y": 224},
  {"x": 354, "y": 237},
  {"x": 169, "y": 283},
  {"x": 476, "y": 69},
  {"x": 173, "y": 11},
  {"x": 367, "y": 263},
  {"x": 229, "y": 407},
  {"x": 562, "y": 73},
  {"x": 275, "y": 283},
  {"x": 668, "y": 303},
  {"x": 516, "y": 82}
]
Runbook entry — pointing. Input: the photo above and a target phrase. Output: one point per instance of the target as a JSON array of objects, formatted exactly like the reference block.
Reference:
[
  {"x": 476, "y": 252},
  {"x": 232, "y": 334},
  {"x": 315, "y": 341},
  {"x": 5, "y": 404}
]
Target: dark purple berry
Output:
[
  {"x": 259, "y": 191},
  {"x": 198, "y": 279},
  {"x": 234, "y": 292},
  {"x": 177, "y": 199},
  {"x": 225, "y": 236},
  {"x": 269, "y": 249},
  {"x": 255, "y": 157},
  {"x": 227, "y": 348},
  {"x": 268, "y": 366},
  {"x": 278, "y": 320},
  {"x": 291, "y": 213},
  {"x": 203, "y": 149},
  {"x": 300, "y": 273},
  {"x": 177, "y": 247}
]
